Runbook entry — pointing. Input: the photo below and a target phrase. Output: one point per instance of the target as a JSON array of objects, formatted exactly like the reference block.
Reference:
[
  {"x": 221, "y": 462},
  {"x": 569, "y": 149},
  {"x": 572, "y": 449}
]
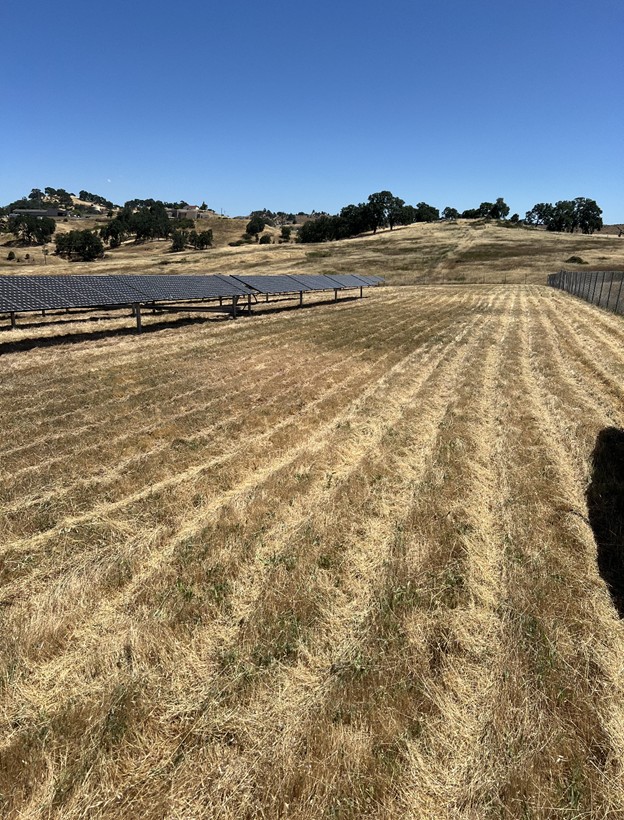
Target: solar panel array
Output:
[{"x": 30, "y": 293}]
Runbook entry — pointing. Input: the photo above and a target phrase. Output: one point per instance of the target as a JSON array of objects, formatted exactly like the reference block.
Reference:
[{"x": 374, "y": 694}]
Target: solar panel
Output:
[
  {"x": 315, "y": 281},
  {"x": 154, "y": 288},
  {"x": 24, "y": 295},
  {"x": 348, "y": 280},
  {"x": 365, "y": 279},
  {"x": 272, "y": 284},
  {"x": 236, "y": 288},
  {"x": 86, "y": 291},
  {"x": 6, "y": 305}
]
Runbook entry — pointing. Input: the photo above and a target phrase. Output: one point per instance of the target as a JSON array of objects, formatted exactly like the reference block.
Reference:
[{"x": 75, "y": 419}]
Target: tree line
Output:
[
  {"x": 146, "y": 223},
  {"x": 381, "y": 210},
  {"x": 567, "y": 216},
  {"x": 147, "y": 219}
]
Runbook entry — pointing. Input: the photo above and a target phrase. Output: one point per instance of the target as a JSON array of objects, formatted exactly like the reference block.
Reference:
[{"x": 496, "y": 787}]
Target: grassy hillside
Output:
[
  {"x": 457, "y": 252},
  {"x": 336, "y": 562}
]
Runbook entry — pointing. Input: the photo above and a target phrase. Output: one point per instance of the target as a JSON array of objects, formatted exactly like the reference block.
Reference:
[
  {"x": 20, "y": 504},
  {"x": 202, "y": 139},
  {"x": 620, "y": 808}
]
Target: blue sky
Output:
[{"x": 300, "y": 106}]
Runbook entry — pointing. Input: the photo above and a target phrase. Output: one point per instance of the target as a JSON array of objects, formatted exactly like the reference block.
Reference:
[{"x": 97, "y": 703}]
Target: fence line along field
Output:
[{"x": 338, "y": 562}]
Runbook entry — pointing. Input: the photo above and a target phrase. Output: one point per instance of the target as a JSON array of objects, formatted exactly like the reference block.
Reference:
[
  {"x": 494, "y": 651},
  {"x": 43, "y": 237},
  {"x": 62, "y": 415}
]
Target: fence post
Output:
[
  {"x": 601, "y": 289},
  {"x": 595, "y": 275},
  {"x": 617, "y": 301},
  {"x": 609, "y": 293}
]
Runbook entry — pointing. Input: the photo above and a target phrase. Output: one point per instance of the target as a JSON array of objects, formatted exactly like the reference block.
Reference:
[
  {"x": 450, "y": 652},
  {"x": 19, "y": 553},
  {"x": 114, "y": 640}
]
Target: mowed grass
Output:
[
  {"x": 324, "y": 563},
  {"x": 468, "y": 251}
]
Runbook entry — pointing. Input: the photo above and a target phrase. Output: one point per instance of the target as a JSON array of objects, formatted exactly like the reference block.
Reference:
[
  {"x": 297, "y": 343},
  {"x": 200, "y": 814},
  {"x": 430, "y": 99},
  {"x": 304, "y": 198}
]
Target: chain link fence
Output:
[{"x": 602, "y": 288}]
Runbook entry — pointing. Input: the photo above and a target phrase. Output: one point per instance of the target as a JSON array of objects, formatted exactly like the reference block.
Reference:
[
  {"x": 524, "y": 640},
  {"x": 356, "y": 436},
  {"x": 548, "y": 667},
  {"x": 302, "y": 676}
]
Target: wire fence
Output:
[{"x": 602, "y": 288}]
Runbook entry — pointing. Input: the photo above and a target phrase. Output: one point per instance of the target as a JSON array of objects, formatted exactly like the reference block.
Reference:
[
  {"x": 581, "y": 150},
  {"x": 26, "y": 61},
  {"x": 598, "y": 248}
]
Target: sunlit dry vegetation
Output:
[
  {"x": 467, "y": 251},
  {"x": 333, "y": 562}
]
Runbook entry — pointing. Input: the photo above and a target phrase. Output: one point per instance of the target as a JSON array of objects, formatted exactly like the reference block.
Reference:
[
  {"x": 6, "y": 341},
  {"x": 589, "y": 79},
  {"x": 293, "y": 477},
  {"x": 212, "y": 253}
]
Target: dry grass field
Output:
[
  {"x": 341, "y": 562},
  {"x": 462, "y": 252}
]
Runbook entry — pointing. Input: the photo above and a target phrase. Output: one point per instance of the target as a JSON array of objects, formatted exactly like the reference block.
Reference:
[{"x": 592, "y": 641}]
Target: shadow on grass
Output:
[
  {"x": 605, "y": 504},
  {"x": 165, "y": 320},
  {"x": 37, "y": 342}
]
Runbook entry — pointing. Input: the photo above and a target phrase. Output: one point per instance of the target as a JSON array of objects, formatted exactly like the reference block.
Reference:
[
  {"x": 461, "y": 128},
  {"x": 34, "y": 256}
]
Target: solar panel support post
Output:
[
  {"x": 335, "y": 294},
  {"x": 13, "y": 323},
  {"x": 136, "y": 309},
  {"x": 234, "y": 304},
  {"x": 300, "y": 298},
  {"x": 361, "y": 292},
  {"x": 249, "y": 304}
]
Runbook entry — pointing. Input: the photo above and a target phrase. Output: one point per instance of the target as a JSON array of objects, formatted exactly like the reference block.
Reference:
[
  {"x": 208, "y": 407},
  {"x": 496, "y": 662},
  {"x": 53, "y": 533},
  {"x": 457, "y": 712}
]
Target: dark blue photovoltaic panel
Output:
[
  {"x": 85, "y": 291},
  {"x": 153, "y": 288},
  {"x": 236, "y": 288},
  {"x": 365, "y": 279},
  {"x": 25, "y": 295},
  {"x": 271, "y": 284},
  {"x": 6, "y": 305},
  {"x": 348, "y": 280},
  {"x": 315, "y": 281}
]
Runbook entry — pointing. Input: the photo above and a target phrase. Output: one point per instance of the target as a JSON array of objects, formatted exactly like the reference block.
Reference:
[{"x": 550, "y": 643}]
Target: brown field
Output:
[
  {"x": 462, "y": 252},
  {"x": 332, "y": 563}
]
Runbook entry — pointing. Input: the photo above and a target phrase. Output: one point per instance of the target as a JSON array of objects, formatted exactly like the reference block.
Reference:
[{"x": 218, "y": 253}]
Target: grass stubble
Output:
[{"x": 334, "y": 563}]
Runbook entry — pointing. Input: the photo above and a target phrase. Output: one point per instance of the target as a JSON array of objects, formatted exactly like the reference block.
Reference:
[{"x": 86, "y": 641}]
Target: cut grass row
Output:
[{"x": 379, "y": 597}]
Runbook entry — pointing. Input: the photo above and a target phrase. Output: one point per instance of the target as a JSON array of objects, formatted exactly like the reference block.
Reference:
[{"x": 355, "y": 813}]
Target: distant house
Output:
[
  {"x": 38, "y": 212},
  {"x": 190, "y": 212}
]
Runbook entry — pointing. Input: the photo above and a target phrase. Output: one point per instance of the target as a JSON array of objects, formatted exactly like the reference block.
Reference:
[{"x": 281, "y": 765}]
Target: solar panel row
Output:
[{"x": 29, "y": 293}]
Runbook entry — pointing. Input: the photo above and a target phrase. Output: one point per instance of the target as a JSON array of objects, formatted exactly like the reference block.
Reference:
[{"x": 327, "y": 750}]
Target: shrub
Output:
[
  {"x": 265, "y": 239},
  {"x": 200, "y": 240},
  {"x": 82, "y": 245},
  {"x": 178, "y": 240},
  {"x": 11, "y": 256},
  {"x": 255, "y": 226}
]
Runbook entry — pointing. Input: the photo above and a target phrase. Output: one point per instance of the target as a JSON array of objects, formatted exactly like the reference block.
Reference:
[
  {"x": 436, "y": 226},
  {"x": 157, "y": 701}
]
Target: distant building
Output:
[
  {"x": 190, "y": 212},
  {"x": 38, "y": 212}
]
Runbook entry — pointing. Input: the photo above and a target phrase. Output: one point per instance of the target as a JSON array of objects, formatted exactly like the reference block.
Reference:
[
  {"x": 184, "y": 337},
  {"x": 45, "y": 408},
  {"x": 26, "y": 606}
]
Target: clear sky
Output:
[{"x": 297, "y": 106}]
